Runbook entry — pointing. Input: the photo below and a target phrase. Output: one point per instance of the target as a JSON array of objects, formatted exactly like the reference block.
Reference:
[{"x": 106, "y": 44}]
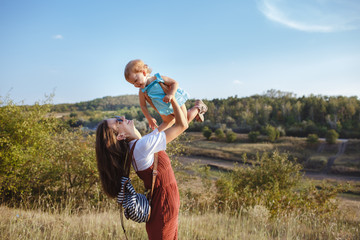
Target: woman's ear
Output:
[{"x": 120, "y": 136}]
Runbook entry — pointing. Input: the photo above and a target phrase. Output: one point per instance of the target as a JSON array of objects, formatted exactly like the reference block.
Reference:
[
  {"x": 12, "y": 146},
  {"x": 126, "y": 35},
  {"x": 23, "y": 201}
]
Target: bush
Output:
[
  {"x": 316, "y": 163},
  {"x": 39, "y": 156},
  {"x": 331, "y": 136},
  {"x": 207, "y": 132},
  {"x": 253, "y": 136},
  {"x": 274, "y": 182},
  {"x": 272, "y": 133},
  {"x": 230, "y": 136},
  {"x": 312, "y": 139},
  {"x": 219, "y": 134}
]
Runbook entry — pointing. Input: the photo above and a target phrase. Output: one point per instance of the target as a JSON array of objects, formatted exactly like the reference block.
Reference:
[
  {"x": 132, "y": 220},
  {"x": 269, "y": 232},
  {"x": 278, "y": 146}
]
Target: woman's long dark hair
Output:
[{"x": 112, "y": 159}]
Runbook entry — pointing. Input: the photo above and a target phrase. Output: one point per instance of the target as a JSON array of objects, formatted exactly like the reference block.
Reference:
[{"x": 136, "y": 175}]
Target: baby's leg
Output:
[
  {"x": 167, "y": 121},
  {"x": 191, "y": 113}
]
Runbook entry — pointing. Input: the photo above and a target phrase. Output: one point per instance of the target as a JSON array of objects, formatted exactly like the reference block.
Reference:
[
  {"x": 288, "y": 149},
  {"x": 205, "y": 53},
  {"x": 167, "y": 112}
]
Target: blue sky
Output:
[{"x": 214, "y": 49}]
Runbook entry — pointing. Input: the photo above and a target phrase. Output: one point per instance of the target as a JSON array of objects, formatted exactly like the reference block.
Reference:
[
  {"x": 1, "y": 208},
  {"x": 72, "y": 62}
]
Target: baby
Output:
[{"x": 158, "y": 91}]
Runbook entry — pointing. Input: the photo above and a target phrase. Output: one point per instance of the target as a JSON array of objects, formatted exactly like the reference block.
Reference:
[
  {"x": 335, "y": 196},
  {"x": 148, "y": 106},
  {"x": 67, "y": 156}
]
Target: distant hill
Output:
[
  {"x": 294, "y": 116},
  {"x": 102, "y": 104}
]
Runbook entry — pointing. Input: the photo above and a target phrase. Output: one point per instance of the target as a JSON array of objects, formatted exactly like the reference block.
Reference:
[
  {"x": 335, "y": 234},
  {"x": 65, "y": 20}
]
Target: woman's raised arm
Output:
[{"x": 180, "y": 125}]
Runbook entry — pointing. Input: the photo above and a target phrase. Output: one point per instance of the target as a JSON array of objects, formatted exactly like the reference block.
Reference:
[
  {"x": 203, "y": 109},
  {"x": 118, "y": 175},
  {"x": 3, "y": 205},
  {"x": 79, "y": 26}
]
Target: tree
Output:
[
  {"x": 207, "y": 132},
  {"x": 230, "y": 136},
  {"x": 312, "y": 138},
  {"x": 253, "y": 136},
  {"x": 219, "y": 134},
  {"x": 331, "y": 136},
  {"x": 271, "y": 133}
]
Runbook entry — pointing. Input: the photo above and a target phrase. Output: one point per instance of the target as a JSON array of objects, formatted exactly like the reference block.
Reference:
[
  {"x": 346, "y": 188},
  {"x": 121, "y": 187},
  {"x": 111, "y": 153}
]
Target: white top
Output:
[{"x": 146, "y": 147}]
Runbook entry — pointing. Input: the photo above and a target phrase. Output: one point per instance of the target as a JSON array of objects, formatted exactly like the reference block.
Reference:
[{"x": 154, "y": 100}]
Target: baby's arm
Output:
[
  {"x": 151, "y": 120},
  {"x": 171, "y": 87}
]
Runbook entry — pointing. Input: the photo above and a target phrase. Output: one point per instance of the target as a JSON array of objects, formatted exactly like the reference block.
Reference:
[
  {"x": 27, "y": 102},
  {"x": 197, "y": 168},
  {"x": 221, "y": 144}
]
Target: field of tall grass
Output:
[
  {"x": 253, "y": 223},
  {"x": 198, "y": 218}
]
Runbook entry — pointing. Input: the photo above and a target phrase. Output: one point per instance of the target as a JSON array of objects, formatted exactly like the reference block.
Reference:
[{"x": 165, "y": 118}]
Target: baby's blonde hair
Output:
[{"x": 136, "y": 66}]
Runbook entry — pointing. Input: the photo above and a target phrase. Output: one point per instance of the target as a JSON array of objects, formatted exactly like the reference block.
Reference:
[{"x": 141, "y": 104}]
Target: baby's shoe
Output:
[{"x": 202, "y": 109}]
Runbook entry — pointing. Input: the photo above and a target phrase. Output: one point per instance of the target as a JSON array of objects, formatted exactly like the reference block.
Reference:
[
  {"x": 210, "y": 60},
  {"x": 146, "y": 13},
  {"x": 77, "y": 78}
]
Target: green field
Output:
[{"x": 297, "y": 148}]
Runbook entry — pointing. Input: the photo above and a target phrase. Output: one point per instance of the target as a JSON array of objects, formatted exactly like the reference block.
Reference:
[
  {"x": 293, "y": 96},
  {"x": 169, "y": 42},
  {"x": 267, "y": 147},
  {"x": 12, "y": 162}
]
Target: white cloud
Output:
[
  {"x": 237, "y": 82},
  {"x": 313, "y": 15},
  {"x": 58, "y": 37}
]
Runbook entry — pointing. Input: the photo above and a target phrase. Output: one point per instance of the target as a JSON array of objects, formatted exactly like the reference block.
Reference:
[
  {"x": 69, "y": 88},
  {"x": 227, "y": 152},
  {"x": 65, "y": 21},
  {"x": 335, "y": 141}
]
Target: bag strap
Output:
[{"x": 154, "y": 174}]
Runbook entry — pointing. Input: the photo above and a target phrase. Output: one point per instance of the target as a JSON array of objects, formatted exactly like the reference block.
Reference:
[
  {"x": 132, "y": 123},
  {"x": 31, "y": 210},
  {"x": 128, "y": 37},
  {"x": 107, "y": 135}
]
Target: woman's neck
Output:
[{"x": 134, "y": 136}]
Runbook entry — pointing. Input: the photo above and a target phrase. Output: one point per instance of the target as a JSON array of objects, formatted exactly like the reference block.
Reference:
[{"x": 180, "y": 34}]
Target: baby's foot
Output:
[{"x": 202, "y": 109}]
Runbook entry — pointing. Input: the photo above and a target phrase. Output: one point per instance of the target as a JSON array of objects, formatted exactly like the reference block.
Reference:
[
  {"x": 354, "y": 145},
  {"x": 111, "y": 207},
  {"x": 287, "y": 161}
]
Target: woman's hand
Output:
[{"x": 168, "y": 98}]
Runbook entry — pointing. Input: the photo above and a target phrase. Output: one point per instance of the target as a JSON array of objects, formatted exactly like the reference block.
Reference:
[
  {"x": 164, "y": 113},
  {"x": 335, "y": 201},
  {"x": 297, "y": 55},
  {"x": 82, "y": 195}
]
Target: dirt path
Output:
[{"x": 229, "y": 165}]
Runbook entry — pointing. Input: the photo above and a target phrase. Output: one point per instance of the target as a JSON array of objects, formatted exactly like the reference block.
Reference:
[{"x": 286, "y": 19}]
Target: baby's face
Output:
[{"x": 137, "y": 79}]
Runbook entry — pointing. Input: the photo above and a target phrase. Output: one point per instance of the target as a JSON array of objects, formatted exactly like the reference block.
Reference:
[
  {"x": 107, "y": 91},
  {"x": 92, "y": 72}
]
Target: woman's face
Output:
[{"x": 123, "y": 128}]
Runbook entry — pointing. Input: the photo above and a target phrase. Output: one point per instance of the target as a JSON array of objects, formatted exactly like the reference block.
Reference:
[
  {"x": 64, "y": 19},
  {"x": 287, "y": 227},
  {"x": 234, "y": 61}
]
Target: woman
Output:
[{"x": 114, "y": 140}]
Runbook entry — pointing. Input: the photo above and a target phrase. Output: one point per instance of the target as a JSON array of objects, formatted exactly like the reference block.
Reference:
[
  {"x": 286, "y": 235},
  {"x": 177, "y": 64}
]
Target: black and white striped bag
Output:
[{"x": 136, "y": 206}]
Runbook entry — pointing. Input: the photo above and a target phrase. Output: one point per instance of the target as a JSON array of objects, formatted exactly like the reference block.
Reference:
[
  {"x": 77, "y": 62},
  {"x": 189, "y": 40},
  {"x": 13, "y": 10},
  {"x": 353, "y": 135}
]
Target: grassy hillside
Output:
[{"x": 105, "y": 103}]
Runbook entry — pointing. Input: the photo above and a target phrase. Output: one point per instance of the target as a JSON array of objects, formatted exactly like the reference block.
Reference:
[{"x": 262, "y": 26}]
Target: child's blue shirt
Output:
[{"x": 156, "y": 94}]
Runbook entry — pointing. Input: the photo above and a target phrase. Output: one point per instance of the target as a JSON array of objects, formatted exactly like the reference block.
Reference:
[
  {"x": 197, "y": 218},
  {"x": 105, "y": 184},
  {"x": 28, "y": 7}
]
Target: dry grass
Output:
[
  {"x": 254, "y": 224},
  {"x": 32, "y": 224},
  {"x": 199, "y": 146}
]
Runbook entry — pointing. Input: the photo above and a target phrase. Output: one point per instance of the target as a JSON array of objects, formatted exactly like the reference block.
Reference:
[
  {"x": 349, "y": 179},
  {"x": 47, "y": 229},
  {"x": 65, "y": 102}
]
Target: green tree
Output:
[
  {"x": 230, "y": 136},
  {"x": 219, "y": 134},
  {"x": 253, "y": 136},
  {"x": 207, "y": 132},
  {"x": 312, "y": 138},
  {"x": 271, "y": 133},
  {"x": 331, "y": 136}
]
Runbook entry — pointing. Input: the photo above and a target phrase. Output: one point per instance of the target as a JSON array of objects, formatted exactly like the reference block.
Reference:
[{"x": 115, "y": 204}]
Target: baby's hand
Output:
[
  {"x": 168, "y": 98},
  {"x": 152, "y": 123}
]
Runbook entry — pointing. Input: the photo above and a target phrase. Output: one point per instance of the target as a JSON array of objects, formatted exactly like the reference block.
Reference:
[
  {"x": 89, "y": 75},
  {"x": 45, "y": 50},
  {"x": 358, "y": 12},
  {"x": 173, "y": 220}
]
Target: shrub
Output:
[
  {"x": 231, "y": 136},
  {"x": 331, "y": 136},
  {"x": 207, "y": 132},
  {"x": 274, "y": 182},
  {"x": 253, "y": 136},
  {"x": 312, "y": 138},
  {"x": 271, "y": 133},
  {"x": 219, "y": 134},
  {"x": 41, "y": 157},
  {"x": 316, "y": 162}
]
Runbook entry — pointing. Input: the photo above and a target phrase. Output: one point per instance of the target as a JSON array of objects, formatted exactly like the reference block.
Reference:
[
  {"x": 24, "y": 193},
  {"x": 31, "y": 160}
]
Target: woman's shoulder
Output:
[
  {"x": 154, "y": 134},
  {"x": 151, "y": 140}
]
